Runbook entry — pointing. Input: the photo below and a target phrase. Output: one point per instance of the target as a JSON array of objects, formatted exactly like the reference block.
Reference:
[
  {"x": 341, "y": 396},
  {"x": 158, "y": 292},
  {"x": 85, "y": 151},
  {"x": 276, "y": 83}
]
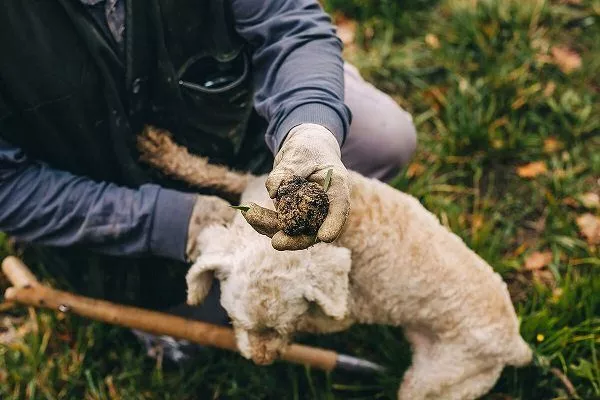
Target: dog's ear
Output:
[
  {"x": 200, "y": 277},
  {"x": 214, "y": 245},
  {"x": 328, "y": 284}
]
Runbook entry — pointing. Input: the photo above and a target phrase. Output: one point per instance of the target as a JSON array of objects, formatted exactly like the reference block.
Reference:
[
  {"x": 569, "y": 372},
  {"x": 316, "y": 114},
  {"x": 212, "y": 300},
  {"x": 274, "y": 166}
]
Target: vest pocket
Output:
[
  {"x": 221, "y": 83},
  {"x": 217, "y": 102}
]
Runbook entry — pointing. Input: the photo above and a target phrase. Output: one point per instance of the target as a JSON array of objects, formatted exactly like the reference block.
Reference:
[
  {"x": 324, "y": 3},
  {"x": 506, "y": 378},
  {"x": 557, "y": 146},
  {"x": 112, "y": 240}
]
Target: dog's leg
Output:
[
  {"x": 475, "y": 386},
  {"x": 446, "y": 370}
]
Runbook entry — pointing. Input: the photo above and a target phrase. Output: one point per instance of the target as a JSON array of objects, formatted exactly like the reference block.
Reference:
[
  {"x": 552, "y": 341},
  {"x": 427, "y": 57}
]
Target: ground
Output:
[{"x": 506, "y": 98}]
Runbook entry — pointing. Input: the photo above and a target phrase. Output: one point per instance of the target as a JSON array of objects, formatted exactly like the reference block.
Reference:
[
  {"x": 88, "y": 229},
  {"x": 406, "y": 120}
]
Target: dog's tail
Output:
[
  {"x": 158, "y": 149},
  {"x": 521, "y": 354}
]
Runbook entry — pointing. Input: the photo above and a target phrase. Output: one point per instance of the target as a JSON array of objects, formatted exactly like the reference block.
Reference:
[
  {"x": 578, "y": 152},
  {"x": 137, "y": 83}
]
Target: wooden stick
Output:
[
  {"x": 17, "y": 273},
  {"x": 28, "y": 291}
]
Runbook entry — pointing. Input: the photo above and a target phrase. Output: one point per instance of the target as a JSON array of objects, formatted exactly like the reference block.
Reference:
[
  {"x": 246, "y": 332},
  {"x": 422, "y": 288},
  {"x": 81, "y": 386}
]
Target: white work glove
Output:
[
  {"x": 208, "y": 210},
  {"x": 310, "y": 151}
]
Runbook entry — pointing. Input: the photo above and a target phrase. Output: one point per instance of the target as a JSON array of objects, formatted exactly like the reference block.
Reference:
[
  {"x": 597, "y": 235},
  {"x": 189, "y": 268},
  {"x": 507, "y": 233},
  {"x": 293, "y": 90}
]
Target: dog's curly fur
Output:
[{"x": 393, "y": 264}]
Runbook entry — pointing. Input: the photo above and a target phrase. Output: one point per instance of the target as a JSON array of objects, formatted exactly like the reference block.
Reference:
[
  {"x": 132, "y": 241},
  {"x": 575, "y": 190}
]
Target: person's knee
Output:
[
  {"x": 399, "y": 144},
  {"x": 404, "y": 142},
  {"x": 382, "y": 138}
]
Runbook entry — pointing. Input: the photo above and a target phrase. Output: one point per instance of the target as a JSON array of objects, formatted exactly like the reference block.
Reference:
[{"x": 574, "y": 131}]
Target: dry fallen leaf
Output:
[
  {"x": 549, "y": 89},
  {"x": 432, "y": 41},
  {"x": 571, "y": 202},
  {"x": 346, "y": 29},
  {"x": 590, "y": 200},
  {"x": 477, "y": 221},
  {"x": 532, "y": 170},
  {"x": 589, "y": 225},
  {"x": 518, "y": 103},
  {"x": 538, "y": 260},
  {"x": 415, "y": 169},
  {"x": 552, "y": 145},
  {"x": 566, "y": 59}
]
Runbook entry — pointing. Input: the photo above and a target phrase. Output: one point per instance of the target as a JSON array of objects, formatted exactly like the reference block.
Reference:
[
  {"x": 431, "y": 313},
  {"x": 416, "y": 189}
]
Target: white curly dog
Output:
[{"x": 394, "y": 264}]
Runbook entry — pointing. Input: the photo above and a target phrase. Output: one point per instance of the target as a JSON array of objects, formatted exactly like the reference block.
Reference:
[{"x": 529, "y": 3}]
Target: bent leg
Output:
[{"x": 382, "y": 137}]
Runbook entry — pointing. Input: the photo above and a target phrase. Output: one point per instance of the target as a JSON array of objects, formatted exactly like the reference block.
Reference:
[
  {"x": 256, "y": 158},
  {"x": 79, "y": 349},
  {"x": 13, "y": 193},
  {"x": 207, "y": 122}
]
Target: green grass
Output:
[{"x": 487, "y": 98}]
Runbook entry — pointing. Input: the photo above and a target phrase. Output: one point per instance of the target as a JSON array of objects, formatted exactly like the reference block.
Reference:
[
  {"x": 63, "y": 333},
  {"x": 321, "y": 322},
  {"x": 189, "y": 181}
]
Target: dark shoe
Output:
[{"x": 181, "y": 351}]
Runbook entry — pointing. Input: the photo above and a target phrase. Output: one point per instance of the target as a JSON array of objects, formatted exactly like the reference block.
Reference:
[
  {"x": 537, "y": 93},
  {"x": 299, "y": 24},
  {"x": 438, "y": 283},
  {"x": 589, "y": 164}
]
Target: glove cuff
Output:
[
  {"x": 314, "y": 113},
  {"x": 315, "y": 133}
]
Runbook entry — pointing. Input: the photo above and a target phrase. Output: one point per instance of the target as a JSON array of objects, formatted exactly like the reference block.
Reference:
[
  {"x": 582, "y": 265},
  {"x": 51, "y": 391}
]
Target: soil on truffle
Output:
[{"x": 302, "y": 206}]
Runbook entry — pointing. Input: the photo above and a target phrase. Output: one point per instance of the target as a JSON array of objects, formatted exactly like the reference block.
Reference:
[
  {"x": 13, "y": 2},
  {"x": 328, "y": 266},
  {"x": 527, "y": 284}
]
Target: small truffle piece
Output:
[{"x": 301, "y": 205}]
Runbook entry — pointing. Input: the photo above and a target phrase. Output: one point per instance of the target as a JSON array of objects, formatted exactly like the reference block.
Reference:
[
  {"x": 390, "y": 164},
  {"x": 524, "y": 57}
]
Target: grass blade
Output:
[{"x": 327, "y": 182}]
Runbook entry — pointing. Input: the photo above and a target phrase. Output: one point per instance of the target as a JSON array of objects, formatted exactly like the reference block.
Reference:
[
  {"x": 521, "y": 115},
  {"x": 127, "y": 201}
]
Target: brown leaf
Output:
[
  {"x": 346, "y": 29},
  {"x": 538, "y": 260},
  {"x": 571, "y": 202},
  {"x": 498, "y": 123},
  {"x": 566, "y": 59},
  {"x": 532, "y": 170},
  {"x": 415, "y": 169},
  {"x": 552, "y": 145},
  {"x": 590, "y": 200},
  {"x": 477, "y": 221},
  {"x": 549, "y": 89},
  {"x": 518, "y": 103},
  {"x": 589, "y": 225},
  {"x": 432, "y": 41},
  {"x": 544, "y": 277}
]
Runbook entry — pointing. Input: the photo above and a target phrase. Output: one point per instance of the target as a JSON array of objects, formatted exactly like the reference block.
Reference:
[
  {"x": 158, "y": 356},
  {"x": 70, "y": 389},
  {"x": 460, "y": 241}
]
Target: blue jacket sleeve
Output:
[
  {"x": 42, "y": 205},
  {"x": 298, "y": 65}
]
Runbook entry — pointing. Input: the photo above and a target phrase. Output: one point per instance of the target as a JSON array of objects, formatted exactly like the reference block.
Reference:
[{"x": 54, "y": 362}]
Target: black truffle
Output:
[{"x": 302, "y": 206}]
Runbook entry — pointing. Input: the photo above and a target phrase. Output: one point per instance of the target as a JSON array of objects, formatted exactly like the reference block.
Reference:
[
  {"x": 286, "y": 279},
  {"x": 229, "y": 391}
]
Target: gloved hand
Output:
[
  {"x": 309, "y": 151},
  {"x": 207, "y": 210}
]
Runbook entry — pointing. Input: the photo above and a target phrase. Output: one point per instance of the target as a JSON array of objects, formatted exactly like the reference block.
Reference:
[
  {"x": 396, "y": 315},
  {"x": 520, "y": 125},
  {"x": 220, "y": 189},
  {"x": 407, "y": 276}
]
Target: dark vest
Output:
[{"x": 67, "y": 97}]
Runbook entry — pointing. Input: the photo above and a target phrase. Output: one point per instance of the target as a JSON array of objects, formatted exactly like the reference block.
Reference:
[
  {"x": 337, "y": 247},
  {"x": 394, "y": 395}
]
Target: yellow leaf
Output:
[
  {"x": 552, "y": 145},
  {"x": 556, "y": 295},
  {"x": 566, "y": 59},
  {"x": 589, "y": 225},
  {"x": 497, "y": 143},
  {"x": 415, "y": 169},
  {"x": 532, "y": 170},
  {"x": 538, "y": 260},
  {"x": 500, "y": 122},
  {"x": 518, "y": 103},
  {"x": 432, "y": 41},
  {"x": 477, "y": 221}
]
